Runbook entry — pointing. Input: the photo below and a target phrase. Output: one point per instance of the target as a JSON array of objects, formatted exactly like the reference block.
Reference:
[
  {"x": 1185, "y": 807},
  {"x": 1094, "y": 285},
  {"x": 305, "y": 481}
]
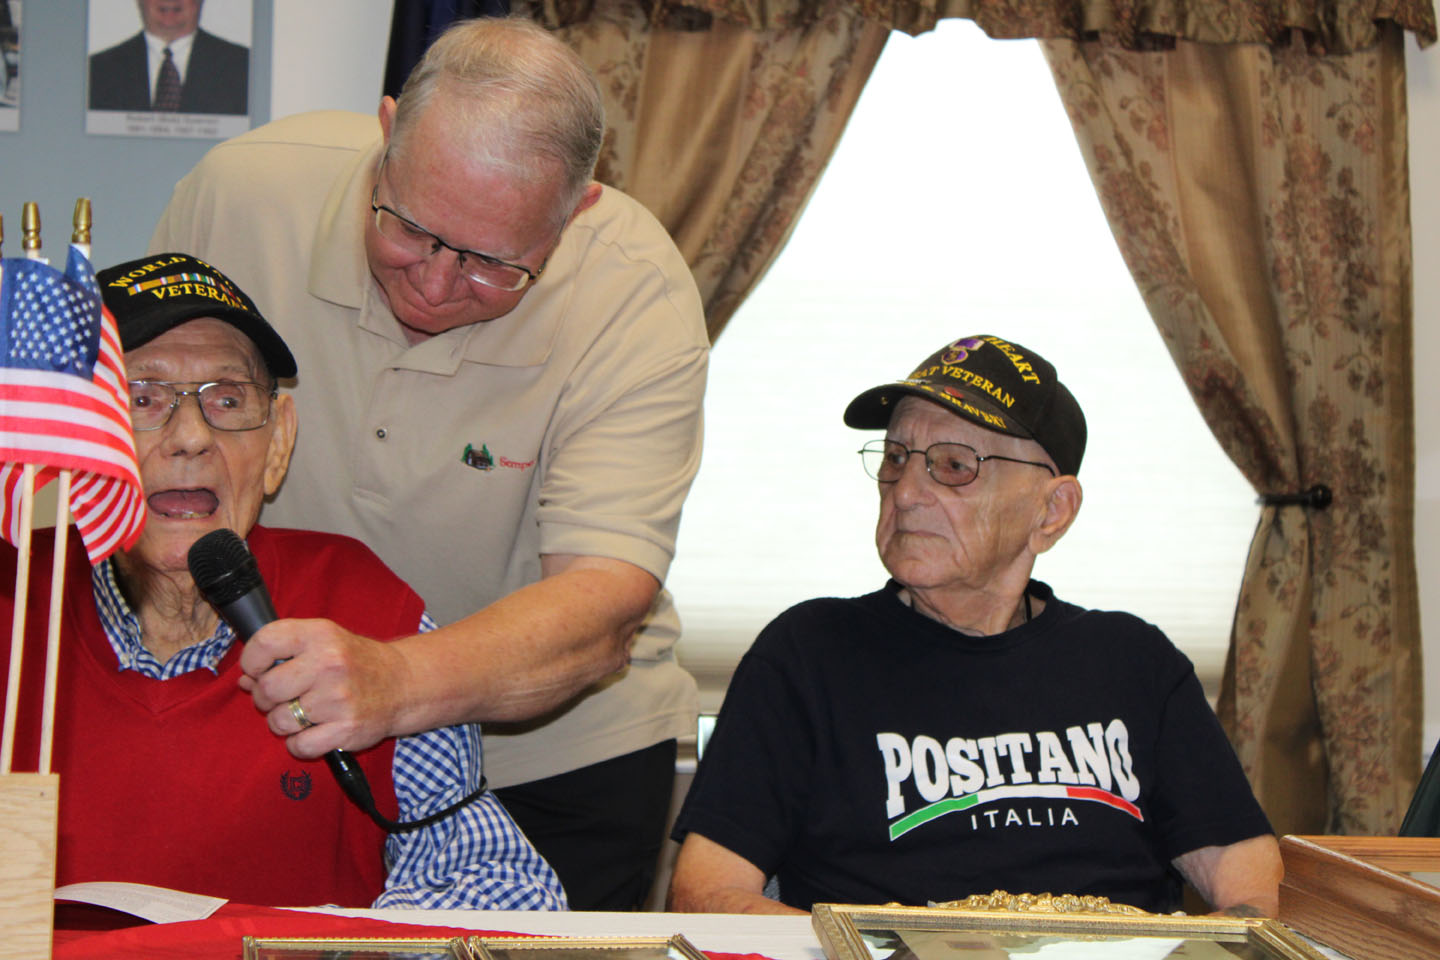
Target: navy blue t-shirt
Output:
[{"x": 866, "y": 754}]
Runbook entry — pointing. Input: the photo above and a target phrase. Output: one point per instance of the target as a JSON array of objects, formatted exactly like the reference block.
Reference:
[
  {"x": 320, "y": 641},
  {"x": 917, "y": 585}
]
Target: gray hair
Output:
[{"x": 517, "y": 92}]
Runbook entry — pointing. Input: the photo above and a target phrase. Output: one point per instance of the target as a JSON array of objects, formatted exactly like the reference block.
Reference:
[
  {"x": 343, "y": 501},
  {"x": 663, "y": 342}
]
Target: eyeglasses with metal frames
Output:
[
  {"x": 951, "y": 464},
  {"x": 479, "y": 267},
  {"x": 230, "y": 405}
]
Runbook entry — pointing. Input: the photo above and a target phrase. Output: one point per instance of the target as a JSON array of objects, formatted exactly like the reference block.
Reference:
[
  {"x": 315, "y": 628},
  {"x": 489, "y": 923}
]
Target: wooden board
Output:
[
  {"x": 1346, "y": 893},
  {"x": 28, "y": 808}
]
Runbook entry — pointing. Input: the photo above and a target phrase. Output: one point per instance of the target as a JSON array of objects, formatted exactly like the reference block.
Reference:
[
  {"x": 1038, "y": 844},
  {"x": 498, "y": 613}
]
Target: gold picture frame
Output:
[
  {"x": 1355, "y": 894},
  {"x": 358, "y": 948},
  {"x": 472, "y": 948},
  {"x": 948, "y": 932},
  {"x": 674, "y": 947}
]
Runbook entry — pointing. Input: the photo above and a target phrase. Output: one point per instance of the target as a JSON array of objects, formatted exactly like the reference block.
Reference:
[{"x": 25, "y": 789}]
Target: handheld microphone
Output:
[
  {"x": 227, "y": 575},
  {"x": 226, "y": 572}
]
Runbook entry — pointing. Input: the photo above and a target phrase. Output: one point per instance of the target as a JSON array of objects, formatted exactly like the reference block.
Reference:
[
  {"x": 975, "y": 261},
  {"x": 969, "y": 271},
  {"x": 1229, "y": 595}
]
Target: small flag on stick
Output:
[{"x": 64, "y": 403}]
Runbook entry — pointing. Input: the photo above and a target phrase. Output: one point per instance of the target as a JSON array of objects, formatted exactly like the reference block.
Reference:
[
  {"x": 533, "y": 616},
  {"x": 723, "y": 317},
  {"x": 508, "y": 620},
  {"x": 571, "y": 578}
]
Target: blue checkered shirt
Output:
[{"x": 476, "y": 859}]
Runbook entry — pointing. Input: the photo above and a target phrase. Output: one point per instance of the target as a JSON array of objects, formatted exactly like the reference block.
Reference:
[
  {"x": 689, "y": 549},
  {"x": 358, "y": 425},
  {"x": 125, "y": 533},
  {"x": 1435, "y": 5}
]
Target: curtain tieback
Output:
[{"x": 1317, "y": 497}]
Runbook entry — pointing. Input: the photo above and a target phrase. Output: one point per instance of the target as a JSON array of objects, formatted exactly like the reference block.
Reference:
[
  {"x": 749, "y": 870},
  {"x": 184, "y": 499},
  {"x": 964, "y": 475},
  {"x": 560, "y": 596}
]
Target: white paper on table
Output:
[{"x": 157, "y": 904}]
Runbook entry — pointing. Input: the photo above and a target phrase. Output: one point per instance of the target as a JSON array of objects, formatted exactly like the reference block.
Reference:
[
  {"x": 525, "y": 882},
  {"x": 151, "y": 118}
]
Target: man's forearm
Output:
[
  {"x": 711, "y": 878},
  {"x": 1241, "y": 879},
  {"x": 727, "y": 900},
  {"x": 516, "y": 659},
  {"x": 528, "y": 652}
]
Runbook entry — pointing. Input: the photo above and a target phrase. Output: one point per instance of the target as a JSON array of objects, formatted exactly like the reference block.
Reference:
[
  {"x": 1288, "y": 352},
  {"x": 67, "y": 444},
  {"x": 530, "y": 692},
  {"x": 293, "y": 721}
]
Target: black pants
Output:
[{"x": 601, "y": 827}]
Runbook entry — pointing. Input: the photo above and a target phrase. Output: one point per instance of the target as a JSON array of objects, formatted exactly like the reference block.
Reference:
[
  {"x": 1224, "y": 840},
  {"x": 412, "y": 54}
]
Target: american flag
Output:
[{"x": 64, "y": 402}]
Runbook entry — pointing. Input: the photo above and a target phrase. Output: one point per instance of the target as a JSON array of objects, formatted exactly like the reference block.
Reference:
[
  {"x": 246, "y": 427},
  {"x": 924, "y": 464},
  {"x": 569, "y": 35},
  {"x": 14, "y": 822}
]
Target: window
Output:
[{"x": 940, "y": 216}]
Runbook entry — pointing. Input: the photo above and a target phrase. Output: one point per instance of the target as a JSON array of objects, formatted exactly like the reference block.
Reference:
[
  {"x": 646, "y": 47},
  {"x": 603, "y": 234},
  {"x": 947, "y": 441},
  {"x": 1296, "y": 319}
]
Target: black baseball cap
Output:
[
  {"x": 158, "y": 293},
  {"x": 995, "y": 384}
]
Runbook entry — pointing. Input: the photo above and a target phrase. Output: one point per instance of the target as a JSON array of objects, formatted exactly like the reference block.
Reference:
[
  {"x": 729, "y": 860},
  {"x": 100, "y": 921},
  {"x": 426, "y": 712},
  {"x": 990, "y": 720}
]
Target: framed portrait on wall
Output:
[
  {"x": 9, "y": 65},
  {"x": 168, "y": 68}
]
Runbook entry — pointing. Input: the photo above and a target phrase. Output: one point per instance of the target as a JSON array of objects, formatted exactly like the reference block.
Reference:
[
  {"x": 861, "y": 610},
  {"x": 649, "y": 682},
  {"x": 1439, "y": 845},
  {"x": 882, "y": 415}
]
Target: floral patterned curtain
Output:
[
  {"x": 1336, "y": 26},
  {"x": 1260, "y": 196},
  {"x": 723, "y": 113},
  {"x": 720, "y": 130}
]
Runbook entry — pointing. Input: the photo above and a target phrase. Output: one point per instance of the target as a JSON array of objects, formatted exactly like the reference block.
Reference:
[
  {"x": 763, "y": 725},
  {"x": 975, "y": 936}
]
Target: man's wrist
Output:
[{"x": 428, "y": 686}]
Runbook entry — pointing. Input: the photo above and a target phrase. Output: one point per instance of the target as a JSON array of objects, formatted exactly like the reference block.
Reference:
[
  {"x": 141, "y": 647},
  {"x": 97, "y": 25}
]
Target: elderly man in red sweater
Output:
[{"x": 169, "y": 775}]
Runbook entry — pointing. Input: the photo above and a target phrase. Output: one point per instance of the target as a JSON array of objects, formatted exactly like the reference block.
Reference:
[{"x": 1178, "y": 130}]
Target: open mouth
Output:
[{"x": 183, "y": 504}]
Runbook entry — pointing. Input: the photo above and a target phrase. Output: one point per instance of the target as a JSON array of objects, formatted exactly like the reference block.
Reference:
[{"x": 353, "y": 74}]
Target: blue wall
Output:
[{"x": 51, "y": 159}]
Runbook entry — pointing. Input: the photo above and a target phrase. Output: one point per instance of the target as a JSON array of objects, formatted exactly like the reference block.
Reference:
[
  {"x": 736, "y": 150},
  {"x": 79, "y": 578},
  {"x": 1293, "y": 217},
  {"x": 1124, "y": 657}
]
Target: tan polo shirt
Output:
[{"x": 572, "y": 425}]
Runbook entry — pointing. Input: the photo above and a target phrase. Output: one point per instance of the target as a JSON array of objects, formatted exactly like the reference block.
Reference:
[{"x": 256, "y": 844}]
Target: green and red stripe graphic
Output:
[{"x": 1030, "y": 792}]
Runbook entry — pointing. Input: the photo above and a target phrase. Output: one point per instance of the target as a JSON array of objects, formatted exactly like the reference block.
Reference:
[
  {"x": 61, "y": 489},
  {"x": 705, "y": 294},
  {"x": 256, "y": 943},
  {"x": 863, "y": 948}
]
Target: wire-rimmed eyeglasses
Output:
[
  {"x": 953, "y": 464},
  {"x": 225, "y": 404},
  {"x": 419, "y": 242}
]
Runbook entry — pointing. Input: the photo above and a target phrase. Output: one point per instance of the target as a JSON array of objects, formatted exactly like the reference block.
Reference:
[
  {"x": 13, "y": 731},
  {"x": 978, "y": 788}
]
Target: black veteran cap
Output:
[
  {"x": 991, "y": 382},
  {"x": 154, "y": 294}
]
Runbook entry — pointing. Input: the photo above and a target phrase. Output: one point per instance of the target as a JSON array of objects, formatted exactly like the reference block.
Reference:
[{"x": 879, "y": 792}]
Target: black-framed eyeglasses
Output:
[
  {"x": 419, "y": 242},
  {"x": 225, "y": 404},
  {"x": 953, "y": 464}
]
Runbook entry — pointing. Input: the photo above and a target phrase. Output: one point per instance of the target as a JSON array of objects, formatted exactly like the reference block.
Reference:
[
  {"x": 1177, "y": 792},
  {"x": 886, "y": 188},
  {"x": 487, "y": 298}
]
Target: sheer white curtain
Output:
[{"x": 943, "y": 215}]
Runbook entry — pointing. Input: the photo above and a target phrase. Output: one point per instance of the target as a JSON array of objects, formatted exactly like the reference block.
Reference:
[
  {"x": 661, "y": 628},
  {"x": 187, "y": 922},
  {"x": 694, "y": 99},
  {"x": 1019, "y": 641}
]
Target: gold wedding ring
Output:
[{"x": 298, "y": 712}]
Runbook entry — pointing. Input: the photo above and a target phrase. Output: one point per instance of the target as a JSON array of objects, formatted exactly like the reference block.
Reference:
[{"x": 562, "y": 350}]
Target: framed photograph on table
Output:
[
  {"x": 332, "y": 948},
  {"x": 582, "y": 948},
  {"x": 949, "y": 932},
  {"x": 475, "y": 948}
]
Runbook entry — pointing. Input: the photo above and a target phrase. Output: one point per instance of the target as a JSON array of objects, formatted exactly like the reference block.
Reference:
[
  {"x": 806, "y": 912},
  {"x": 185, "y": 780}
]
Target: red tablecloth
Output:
[{"x": 218, "y": 937}]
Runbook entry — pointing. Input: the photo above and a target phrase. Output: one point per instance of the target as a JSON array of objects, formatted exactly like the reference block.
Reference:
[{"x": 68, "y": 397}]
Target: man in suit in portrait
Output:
[
  {"x": 171, "y": 65},
  {"x": 9, "y": 55}
]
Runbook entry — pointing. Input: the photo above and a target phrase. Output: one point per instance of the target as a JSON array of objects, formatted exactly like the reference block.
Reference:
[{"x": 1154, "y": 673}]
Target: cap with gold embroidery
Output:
[
  {"x": 158, "y": 293},
  {"x": 994, "y": 383}
]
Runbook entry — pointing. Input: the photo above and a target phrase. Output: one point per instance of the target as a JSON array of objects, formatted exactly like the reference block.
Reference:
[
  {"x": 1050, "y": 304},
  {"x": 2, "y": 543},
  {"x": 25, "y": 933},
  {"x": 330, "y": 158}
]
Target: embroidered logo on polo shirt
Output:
[
  {"x": 296, "y": 786},
  {"x": 479, "y": 459},
  {"x": 483, "y": 459}
]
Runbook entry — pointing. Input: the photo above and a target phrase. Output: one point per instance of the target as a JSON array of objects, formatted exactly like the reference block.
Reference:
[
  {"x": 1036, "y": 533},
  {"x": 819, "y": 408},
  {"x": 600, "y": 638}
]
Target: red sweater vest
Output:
[{"x": 179, "y": 782}]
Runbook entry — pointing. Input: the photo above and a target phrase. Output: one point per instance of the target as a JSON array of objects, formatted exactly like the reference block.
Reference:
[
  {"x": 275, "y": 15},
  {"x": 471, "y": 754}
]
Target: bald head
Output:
[{"x": 520, "y": 100}]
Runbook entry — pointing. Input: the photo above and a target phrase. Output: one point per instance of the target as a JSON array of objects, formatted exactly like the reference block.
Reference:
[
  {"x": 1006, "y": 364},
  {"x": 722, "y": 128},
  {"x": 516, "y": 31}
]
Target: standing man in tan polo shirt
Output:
[{"x": 504, "y": 368}]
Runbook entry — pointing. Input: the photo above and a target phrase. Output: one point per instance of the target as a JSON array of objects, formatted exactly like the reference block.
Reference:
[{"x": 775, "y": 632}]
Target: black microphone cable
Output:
[{"x": 226, "y": 573}]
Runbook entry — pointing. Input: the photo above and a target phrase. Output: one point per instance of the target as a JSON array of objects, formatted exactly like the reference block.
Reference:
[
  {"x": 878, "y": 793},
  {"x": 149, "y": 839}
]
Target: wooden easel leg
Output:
[{"x": 29, "y": 806}]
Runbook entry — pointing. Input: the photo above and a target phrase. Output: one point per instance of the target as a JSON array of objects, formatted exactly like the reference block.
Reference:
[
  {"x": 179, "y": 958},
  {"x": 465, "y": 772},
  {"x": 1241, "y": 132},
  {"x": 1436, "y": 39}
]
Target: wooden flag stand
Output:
[{"x": 30, "y": 802}]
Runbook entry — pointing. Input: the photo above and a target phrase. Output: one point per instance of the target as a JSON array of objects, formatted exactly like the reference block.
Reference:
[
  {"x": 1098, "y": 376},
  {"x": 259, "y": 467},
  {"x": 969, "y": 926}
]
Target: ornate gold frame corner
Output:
[{"x": 839, "y": 926}]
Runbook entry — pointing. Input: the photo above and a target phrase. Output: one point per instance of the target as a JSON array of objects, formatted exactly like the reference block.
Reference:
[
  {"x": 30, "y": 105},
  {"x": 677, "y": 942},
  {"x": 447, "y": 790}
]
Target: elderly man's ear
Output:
[
  {"x": 282, "y": 442},
  {"x": 1061, "y": 506}
]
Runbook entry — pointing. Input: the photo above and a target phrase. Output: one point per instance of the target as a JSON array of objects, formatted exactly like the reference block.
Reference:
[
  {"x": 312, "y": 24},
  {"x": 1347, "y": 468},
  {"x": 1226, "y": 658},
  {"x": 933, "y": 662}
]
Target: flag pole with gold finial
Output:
[
  {"x": 30, "y": 249},
  {"x": 29, "y": 802},
  {"x": 80, "y": 239}
]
